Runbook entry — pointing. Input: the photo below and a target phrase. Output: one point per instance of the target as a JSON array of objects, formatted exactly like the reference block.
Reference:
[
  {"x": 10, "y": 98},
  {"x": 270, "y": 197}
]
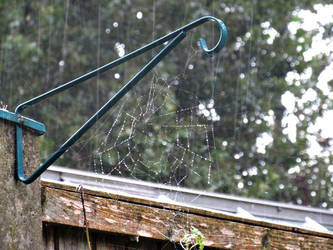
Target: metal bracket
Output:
[
  {"x": 175, "y": 37},
  {"x": 37, "y": 127}
]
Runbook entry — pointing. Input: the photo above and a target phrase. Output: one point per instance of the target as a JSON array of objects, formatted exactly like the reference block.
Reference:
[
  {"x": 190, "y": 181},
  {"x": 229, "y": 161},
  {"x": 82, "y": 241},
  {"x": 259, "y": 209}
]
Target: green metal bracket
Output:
[
  {"x": 37, "y": 127},
  {"x": 172, "y": 38}
]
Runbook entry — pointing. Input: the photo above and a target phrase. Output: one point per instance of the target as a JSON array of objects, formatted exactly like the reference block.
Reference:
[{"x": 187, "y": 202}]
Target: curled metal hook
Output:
[{"x": 222, "y": 39}]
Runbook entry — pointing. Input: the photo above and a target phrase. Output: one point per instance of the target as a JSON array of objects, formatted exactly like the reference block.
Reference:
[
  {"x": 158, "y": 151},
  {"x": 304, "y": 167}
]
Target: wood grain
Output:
[
  {"x": 20, "y": 211},
  {"x": 62, "y": 205}
]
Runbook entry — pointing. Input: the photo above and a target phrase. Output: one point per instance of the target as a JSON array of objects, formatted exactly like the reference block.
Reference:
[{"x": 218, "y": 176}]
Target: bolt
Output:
[{"x": 20, "y": 119}]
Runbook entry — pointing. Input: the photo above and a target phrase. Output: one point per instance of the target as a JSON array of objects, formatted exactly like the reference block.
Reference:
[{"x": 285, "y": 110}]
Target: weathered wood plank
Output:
[
  {"x": 132, "y": 217},
  {"x": 189, "y": 209},
  {"x": 68, "y": 238},
  {"x": 48, "y": 237},
  {"x": 105, "y": 241},
  {"x": 72, "y": 239},
  {"x": 20, "y": 212}
]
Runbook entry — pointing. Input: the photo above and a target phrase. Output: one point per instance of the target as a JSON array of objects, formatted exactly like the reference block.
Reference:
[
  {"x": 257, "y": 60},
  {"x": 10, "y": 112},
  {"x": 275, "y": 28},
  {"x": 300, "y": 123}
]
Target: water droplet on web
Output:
[
  {"x": 107, "y": 31},
  {"x": 61, "y": 63},
  {"x": 115, "y": 24},
  {"x": 209, "y": 159}
]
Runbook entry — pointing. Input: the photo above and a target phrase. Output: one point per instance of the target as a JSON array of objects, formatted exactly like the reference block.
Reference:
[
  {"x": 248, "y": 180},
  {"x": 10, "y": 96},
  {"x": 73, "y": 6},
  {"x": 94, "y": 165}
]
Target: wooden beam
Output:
[
  {"x": 20, "y": 211},
  {"x": 282, "y": 212},
  {"x": 131, "y": 216}
]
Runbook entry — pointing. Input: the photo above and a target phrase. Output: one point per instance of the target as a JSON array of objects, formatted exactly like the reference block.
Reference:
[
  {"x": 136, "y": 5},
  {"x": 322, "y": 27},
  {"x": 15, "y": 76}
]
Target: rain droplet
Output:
[{"x": 139, "y": 15}]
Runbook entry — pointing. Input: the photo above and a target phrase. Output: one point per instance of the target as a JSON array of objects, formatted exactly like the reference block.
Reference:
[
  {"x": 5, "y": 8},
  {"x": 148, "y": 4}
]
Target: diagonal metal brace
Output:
[{"x": 175, "y": 37}]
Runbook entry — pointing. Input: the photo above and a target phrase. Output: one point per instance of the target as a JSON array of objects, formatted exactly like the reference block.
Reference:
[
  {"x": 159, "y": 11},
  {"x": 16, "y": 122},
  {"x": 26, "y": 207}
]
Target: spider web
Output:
[
  {"x": 161, "y": 124},
  {"x": 151, "y": 136}
]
